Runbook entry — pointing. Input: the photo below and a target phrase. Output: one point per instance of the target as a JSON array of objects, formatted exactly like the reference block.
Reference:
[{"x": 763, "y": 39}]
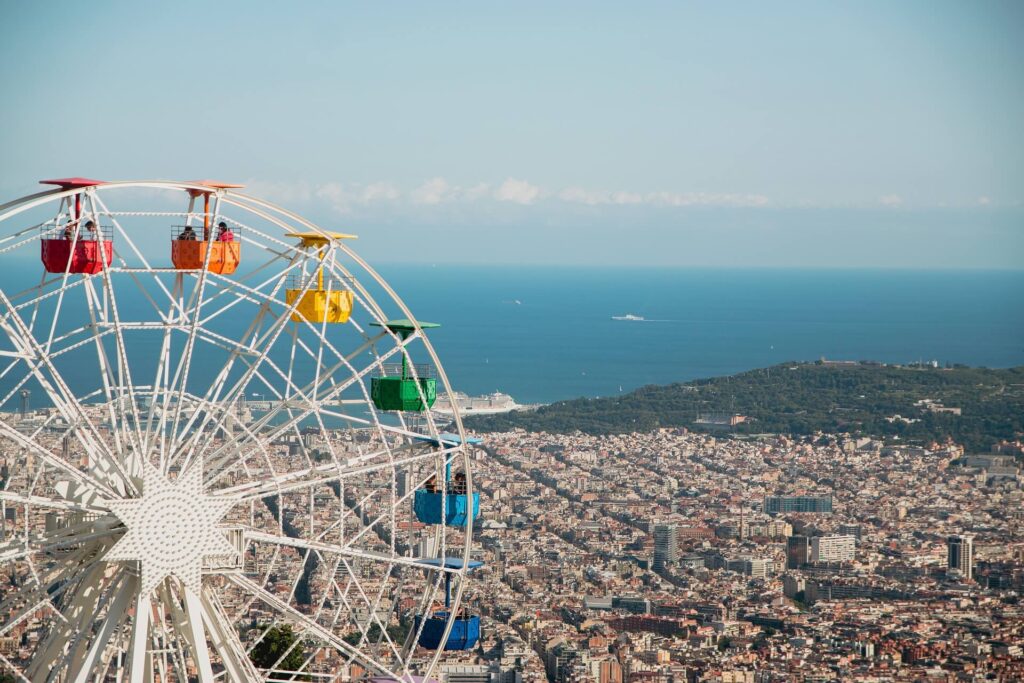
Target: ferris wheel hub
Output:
[{"x": 171, "y": 528}]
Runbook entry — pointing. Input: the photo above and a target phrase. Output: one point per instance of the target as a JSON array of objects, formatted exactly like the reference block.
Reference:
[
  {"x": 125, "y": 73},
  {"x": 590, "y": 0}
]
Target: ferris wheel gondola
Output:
[{"x": 157, "y": 526}]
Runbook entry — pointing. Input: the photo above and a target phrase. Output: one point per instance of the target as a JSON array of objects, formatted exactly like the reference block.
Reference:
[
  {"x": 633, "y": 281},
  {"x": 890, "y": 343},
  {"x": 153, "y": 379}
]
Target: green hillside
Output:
[{"x": 802, "y": 398}]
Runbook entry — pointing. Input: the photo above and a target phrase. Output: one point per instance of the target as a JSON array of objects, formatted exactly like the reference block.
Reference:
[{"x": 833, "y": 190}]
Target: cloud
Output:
[
  {"x": 376, "y": 192},
  {"x": 434, "y": 191},
  {"x": 518, "y": 191},
  {"x": 577, "y": 195},
  {"x": 475, "y": 192},
  {"x": 440, "y": 191},
  {"x": 892, "y": 200},
  {"x": 344, "y": 197}
]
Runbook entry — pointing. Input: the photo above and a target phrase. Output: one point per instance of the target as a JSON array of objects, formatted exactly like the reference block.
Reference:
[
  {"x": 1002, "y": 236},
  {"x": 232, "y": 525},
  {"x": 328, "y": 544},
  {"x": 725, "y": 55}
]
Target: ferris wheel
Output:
[{"x": 218, "y": 454}]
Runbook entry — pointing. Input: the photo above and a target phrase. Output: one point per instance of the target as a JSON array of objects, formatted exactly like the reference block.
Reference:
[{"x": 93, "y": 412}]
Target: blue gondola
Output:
[
  {"x": 465, "y": 629},
  {"x": 428, "y": 504}
]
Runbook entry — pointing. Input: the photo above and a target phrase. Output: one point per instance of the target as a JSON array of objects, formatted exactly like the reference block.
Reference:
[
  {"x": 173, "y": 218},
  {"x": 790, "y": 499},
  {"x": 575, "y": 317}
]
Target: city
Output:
[{"x": 653, "y": 557}]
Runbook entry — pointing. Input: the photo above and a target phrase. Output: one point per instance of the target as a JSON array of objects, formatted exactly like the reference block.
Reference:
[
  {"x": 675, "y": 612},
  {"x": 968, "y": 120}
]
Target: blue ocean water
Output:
[
  {"x": 559, "y": 340},
  {"x": 543, "y": 333}
]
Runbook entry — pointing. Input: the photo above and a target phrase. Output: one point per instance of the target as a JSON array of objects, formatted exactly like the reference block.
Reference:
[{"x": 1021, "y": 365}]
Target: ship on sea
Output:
[
  {"x": 489, "y": 404},
  {"x": 629, "y": 316}
]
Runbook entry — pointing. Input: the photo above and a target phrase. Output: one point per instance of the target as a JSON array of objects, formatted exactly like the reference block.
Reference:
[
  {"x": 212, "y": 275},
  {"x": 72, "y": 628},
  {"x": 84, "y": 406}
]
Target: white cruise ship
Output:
[{"x": 488, "y": 404}]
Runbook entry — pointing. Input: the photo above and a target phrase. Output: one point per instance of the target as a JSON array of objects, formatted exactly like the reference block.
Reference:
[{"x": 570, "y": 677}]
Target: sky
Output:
[{"x": 787, "y": 134}]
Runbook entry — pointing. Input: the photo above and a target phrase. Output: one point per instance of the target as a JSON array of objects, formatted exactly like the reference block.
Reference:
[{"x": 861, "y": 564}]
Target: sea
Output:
[{"x": 543, "y": 334}]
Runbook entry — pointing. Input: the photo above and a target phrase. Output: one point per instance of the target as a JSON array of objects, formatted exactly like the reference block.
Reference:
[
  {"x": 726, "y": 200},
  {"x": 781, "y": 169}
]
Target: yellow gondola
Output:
[{"x": 320, "y": 301}]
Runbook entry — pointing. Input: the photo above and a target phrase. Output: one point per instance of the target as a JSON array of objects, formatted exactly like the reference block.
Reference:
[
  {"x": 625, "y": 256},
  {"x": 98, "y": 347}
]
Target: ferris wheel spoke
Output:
[
  {"x": 137, "y": 655},
  {"x": 262, "y": 346},
  {"x": 49, "y": 585},
  {"x": 66, "y": 635},
  {"x": 225, "y": 640},
  {"x": 124, "y": 370},
  {"x": 12, "y": 498},
  {"x": 19, "y": 548},
  {"x": 304, "y": 411},
  {"x": 291, "y": 614},
  {"x": 114, "y": 402},
  {"x": 216, "y": 458},
  {"x": 183, "y": 370},
  {"x": 64, "y": 399},
  {"x": 187, "y": 620},
  {"x": 317, "y": 475},
  {"x": 136, "y": 252},
  {"x": 117, "y": 613},
  {"x": 365, "y": 629},
  {"x": 57, "y": 463},
  {"x": 237, "y": 292},
  {"x": 346, "y": 551},
  {"x": 177, "y": 636},
  {"x": 184, "y": 366},
  {"x": 196, "y": 632},
  {"x": 373, "y": 608}
]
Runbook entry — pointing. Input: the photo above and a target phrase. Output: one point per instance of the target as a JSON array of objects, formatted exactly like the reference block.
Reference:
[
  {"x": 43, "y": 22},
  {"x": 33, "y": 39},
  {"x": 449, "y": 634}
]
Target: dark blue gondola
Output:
[{"x": 465, "y": 629}]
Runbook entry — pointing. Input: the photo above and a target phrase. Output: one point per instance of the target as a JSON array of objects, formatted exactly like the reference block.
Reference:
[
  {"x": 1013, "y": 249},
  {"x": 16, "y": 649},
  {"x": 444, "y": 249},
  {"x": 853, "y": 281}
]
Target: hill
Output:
[{"x": 803, "y": 398}]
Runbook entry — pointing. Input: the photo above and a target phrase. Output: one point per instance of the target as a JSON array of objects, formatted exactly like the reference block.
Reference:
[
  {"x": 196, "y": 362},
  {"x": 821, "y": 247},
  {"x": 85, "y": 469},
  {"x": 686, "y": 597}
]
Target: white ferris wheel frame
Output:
[{"x": 199, "y": 616}]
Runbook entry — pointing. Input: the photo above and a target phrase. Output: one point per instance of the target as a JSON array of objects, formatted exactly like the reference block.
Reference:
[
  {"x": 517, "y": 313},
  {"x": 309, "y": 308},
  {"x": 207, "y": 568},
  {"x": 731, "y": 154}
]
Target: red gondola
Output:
[{"x": 71, "y": 247}]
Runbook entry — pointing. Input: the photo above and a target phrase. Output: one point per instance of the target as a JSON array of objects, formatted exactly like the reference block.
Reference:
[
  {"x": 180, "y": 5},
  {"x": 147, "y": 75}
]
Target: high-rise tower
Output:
[
  {"x": 666, "y": 546},
  {"x": 960, "y": 555}
]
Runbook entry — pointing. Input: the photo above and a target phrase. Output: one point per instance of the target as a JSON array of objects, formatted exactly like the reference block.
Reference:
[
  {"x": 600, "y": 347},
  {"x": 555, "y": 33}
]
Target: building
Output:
[
  {"x": 758, "y": 567},
  {"x": 609, "y": 671},
  {"x": 854, "y": 530},
  {"x": 560, "y": 660},
  {"x": 462, "y": 673},
  {"x": 818, "y": 504},
  {"x": 960, "y": 555},
  {"x": 798, "y": 551},
  {"x": 833, "y": 548},
  {"x": 666, "y": 546},
  {"x": 692, "y": 561}
]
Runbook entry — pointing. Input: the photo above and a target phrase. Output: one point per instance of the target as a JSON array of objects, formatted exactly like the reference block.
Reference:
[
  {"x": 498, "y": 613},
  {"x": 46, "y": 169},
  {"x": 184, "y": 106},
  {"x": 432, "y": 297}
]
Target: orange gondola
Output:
[{"x": 221, "y": 252}]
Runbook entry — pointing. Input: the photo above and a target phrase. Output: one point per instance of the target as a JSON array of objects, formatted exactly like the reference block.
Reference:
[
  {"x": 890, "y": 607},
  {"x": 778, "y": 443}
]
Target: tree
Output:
[{"x": 275, "y": 643}]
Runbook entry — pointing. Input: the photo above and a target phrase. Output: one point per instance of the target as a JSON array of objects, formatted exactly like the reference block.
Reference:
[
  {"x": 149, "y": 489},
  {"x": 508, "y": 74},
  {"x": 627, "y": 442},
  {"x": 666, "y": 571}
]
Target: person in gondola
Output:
[
  {"x": 69, "y": 232},
  {"x": 187, "y": 234},
  {"x": 224, "y": 233},
  {"x": 90, "y": 231},
  {"x": 431, "y": 485},
  {"x": 459, "y": 484}
]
